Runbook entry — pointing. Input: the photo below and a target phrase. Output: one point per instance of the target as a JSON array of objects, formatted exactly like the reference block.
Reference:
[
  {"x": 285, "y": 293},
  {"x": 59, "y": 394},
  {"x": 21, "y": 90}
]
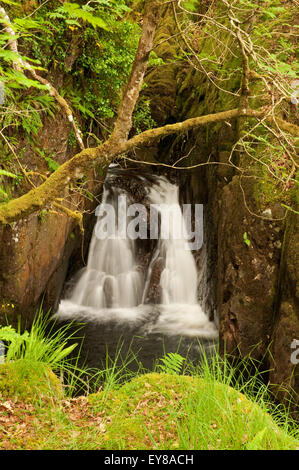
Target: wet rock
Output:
[
  {"x": 284, "y": 370},
  {"x": 29, "y": 255},
  {"x": 154, "y": 291},
  {"x": 247, "y": 281}
]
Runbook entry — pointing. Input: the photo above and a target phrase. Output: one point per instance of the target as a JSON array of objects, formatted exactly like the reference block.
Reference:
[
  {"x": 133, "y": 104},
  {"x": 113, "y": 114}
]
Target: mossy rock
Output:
[
  {"x": 28, "y": 381},
  {"x": 162, "y": 411}
]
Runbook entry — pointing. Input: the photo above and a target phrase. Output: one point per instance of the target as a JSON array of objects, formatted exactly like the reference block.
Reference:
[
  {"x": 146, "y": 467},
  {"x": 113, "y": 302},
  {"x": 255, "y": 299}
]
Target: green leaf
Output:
[
  {"x": 3, "y": 193},
  {"x": 7, "y": 173},
  {"x": 16, "y": 340},
  {"x": 18, "y": 78},
  {"x": 84, "y": 110},
  {"x": 246, "y": 239},
  {"x": 8, "y": 333},
  {"x": 171, "y": 363},
  {"x": 9, "y": 56},
  {"x": 52, "y": 164},
  {"x": 28, "y": 23},
  {"x": 75, "y": 11}
]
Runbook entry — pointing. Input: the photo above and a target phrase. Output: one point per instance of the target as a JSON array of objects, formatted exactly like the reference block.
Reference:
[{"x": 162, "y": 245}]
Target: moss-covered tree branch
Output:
[
  {"x": 57, "y": 183},
  {"x": 102, "y": 156}
]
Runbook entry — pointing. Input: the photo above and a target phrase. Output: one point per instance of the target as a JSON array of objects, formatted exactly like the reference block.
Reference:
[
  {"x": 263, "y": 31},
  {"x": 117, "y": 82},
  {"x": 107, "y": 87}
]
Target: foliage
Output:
[
  {"x": 72, "y": 12},
  {"x": 213, "y": 405},
  {"x": 36, "y": 345},
  {"x": 103, "y": 44},
  {"x": 106, "y": 50},
  {"x": 89, "y": 48},
  {"x": 5, "y": 188},
  {"x": 47, "y": 347},
  {"x": 171, "y": 363}
]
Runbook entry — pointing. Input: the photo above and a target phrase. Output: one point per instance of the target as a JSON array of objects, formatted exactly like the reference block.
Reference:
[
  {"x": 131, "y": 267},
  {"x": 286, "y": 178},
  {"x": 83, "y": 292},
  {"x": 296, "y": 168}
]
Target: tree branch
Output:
[
  {"x": 102, "y": 156},
  {"x": 123, "y": 125},
  {"x": 75, "y": 168}
]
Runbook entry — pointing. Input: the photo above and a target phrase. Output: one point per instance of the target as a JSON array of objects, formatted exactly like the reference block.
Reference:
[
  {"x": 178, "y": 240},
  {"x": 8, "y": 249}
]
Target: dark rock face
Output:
[
  {"x": 258, "y": 287},
  {"x": 30, "y": 253},
  {"x": 284, "y": 370},
  {"x": 35, "y": 252},
  {"x": 248, "y": 274}
]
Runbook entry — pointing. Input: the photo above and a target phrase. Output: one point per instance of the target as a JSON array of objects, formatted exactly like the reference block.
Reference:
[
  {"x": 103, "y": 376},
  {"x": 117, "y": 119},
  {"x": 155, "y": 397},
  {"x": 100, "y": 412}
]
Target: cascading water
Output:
[
  {"x": 113, "y": 287},
  {"x": 179, "y": 277},
  {"x": 179, "y": 308},
  {"x": 111, "y": 279}
]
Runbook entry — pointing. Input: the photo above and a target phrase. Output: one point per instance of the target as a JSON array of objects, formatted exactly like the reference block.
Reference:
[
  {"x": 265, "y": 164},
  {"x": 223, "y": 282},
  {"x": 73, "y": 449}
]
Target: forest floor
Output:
[{"x": 153, "y": 411}]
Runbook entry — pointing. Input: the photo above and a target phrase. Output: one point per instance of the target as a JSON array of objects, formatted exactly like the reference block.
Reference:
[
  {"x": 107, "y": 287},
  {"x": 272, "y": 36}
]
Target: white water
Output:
[
  {"x": 179, "y": 311},
  {"x": 112, "y": 288},
  {"x": 111, "y": 279},
  {"x": 179, "y": 277}
]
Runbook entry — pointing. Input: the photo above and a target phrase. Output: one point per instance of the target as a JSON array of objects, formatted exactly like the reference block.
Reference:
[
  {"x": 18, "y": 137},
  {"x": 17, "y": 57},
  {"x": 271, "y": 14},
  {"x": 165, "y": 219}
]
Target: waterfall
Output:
[
  {"x": 179, "y": 277},
  {"x": 113, "y": 286},
  {"x": 111, "y": 279}
]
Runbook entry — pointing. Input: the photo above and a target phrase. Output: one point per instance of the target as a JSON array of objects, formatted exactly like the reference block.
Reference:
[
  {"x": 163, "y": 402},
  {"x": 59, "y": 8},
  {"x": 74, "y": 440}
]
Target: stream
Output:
[{"x": 139, "y": 293}]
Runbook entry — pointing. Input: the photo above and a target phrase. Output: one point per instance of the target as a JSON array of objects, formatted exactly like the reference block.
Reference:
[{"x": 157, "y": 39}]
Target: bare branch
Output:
[{"x": 55, "y": 186}]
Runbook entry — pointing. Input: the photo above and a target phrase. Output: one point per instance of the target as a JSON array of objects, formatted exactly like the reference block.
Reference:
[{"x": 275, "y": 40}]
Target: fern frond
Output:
[{"x": 171, "y": 363}]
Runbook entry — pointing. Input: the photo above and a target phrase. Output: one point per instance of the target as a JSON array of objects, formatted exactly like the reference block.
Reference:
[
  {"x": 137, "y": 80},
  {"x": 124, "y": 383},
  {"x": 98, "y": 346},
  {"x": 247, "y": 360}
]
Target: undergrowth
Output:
[{"x": 180, "y": 405}]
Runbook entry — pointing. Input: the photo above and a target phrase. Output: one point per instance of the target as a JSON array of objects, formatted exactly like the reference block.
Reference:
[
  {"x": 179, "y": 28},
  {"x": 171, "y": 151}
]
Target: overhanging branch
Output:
[
  {"x": 74, "y": 169},
  {"x": 102, "y": 156}
]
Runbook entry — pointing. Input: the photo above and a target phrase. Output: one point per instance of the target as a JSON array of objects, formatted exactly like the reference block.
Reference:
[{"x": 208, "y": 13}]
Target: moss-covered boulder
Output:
[
  {"x": 153, "y": 411},
  {"x": 28, "y": 381},
  {"x": 163, "y": 411}
]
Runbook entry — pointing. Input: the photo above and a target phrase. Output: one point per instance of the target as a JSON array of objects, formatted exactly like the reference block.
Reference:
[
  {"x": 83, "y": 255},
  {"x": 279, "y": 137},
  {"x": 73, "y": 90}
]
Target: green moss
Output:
[
  {"x": 158, "y": 410},
  {"x": 268, "y": 192},
  {"x": 162, "y": 81},
  {"x": 28, "y": 381}
]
